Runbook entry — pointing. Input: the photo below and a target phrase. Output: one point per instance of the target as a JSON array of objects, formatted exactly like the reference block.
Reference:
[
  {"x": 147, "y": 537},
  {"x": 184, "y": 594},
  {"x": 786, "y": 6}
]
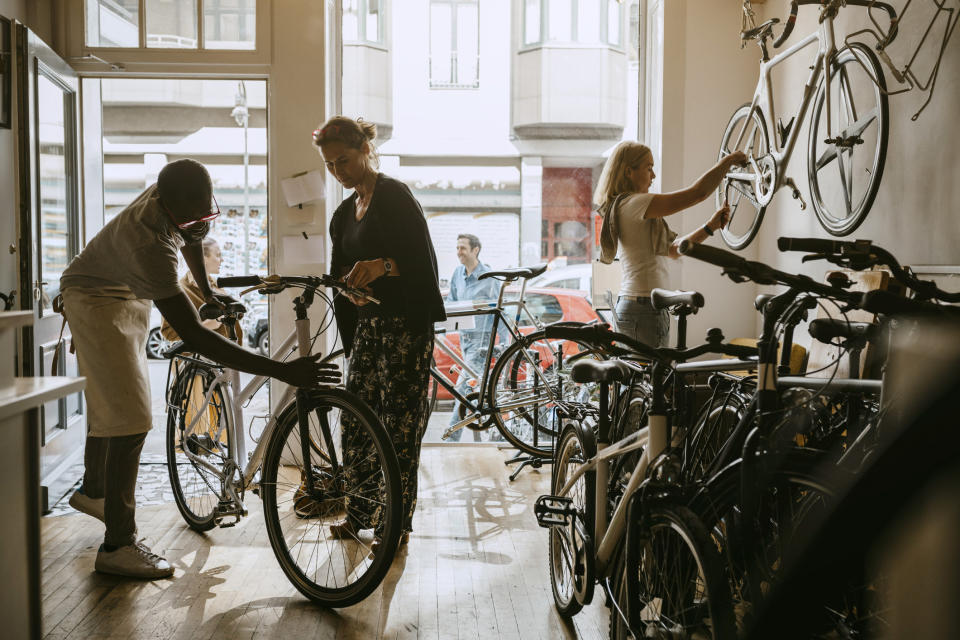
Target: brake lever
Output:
[{"x": 736, "y": 276}]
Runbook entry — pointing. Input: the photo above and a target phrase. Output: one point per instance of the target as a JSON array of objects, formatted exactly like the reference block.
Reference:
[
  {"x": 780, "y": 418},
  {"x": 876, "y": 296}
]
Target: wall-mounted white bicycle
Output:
[{"x": 849, "y": 123}]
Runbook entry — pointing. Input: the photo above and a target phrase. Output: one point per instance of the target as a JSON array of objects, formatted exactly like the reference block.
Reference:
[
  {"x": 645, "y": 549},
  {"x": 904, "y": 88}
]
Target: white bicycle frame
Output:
[
  {"x": 228, "y": 380},
  {"x": 826, "y": 40}
]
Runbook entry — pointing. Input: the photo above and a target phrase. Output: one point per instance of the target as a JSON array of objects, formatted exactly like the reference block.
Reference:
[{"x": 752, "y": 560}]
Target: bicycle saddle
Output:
[
  {"x": 599, "y": 371},
  {"x": 761, "y": 31},
  {"x": 826, "y": 329},
  {"x": 515, "y": 274},
  {"x": 174, "y": 349},
  {"x": 664, "y": 298}
]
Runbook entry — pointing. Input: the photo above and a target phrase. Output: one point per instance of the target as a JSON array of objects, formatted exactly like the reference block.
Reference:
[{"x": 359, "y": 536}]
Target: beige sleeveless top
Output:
[{"x": 644, "y": 244}]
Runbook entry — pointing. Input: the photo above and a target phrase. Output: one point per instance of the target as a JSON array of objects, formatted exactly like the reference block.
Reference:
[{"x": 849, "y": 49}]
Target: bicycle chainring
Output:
[{"x": 766, "y": 182}]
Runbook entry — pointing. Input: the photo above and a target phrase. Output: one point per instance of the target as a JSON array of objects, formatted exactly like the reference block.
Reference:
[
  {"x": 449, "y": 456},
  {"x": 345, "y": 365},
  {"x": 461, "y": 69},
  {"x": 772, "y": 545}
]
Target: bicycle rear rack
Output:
[{"x": 942, "y": 13}]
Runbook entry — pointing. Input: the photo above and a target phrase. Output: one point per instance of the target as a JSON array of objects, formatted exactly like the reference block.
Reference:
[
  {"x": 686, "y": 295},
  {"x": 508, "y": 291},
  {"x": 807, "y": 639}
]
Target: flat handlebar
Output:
[{"x": 238, "y": 281}]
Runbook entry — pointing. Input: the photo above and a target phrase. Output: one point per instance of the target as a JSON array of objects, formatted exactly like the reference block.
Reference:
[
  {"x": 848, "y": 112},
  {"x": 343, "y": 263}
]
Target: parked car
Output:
[
  {"x": 259, "y": 337},
  {"x": 574, "y": 276},
  {"x": 254, "y": 327},
  {"x": 546, "y": 304},
  {"x": 156, "y": 343}
]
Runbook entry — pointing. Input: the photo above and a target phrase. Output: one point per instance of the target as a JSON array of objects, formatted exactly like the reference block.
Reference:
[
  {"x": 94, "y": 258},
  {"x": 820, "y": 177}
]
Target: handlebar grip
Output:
[
  {"x": 593, "y": 333},
  {"x": 788, "y": 28},
  {"x": 719, "y": 257},
  {"x": 890, "y": 304},
  {"x": 810, "y": 245},
  {"x": 238, "y": 281}
]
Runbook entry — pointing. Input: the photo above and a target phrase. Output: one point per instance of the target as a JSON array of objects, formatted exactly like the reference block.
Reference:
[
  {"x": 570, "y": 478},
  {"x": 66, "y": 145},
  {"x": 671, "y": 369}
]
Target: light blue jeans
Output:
[{"x": 637, "y": 318}]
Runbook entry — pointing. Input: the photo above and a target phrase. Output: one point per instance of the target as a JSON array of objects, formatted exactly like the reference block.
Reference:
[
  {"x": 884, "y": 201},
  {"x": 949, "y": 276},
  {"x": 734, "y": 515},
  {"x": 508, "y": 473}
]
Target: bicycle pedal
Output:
[
  {"x": 553, "y": 511},
  {"x": 226, "y": 509}
]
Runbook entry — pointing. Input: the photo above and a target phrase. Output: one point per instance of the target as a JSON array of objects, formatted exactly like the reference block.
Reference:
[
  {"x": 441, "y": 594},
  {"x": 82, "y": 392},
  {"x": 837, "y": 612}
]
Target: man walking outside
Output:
[{"x": 465, "y": 285}]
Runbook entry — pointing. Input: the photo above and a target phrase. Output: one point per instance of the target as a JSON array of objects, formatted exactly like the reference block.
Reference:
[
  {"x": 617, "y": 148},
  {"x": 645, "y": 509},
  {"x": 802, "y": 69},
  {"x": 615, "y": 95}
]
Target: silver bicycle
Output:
[
  {"x": 848, "y": 128},
  {"x": 322, "y": 458}
]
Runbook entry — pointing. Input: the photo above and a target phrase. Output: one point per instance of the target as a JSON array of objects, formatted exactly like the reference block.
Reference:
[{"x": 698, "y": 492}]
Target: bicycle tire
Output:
[
  {"x": 298, "y": 524},
  {"x": 856, "y": 56},
  {"x": 524, "y": 406},
  {"x": 745, "y": 216},
  {"x": 197, "y": 490},
  {"x": 571, "y": 590},
  {"x": 792, "y": 485},
  {"x": 676, "y": 581}
]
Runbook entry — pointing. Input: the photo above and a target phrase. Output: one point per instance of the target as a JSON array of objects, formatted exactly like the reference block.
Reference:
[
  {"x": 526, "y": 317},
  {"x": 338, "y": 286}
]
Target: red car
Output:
[{"x": 547, "y": 305}]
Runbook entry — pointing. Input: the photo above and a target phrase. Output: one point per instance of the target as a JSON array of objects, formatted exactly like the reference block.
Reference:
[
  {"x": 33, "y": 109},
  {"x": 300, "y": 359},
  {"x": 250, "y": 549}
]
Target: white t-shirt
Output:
[
  {"x": 644, "y": 244},
  {"x": 137, "y": 250}
]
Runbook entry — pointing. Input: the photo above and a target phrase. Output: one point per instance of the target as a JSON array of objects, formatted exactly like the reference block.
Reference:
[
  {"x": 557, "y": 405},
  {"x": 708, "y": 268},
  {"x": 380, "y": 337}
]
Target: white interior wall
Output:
[
  {"x": 915, "y": 213},
  {"x": 295, "y": 107},
  {"x": 706, "y": 76}
]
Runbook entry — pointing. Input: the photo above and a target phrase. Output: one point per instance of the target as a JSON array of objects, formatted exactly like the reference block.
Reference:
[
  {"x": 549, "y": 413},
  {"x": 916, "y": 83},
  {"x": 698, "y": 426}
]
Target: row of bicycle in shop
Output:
[{"x": 733, "y": 498}]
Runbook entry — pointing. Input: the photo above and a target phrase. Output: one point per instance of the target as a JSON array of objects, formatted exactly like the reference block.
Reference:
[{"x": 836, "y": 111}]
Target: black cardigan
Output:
[{"x": 397, "y": 216}]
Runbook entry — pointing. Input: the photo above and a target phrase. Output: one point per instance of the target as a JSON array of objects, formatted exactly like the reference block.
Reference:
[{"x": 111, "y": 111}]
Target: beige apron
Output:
[{"x": 109, "y": 328}]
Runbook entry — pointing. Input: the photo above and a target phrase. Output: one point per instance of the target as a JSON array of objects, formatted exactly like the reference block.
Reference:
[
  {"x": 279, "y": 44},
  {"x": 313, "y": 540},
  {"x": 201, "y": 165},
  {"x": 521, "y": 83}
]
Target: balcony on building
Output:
[
  {"x": 569, "y": 69},
  {"x": 367, "y": 81}
]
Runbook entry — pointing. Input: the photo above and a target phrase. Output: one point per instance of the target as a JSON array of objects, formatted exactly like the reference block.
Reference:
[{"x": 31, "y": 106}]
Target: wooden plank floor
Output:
[{"x": 475, "y": 568}]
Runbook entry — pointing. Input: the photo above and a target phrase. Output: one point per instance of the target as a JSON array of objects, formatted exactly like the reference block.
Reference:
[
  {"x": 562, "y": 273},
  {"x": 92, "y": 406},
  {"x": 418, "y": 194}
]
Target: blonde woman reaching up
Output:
[{"x": 634, "y": 223}]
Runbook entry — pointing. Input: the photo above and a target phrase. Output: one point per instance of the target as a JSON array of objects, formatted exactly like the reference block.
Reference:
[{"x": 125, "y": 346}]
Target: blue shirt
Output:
[{"x": 470, "y": 287}]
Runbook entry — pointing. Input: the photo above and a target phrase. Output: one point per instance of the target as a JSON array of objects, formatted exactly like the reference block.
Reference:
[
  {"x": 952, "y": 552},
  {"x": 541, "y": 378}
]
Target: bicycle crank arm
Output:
[{"x": 796, "y": 192}]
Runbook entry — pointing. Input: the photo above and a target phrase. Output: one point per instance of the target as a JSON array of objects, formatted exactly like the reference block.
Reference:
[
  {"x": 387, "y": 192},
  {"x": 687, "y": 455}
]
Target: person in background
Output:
[
  {"x": 212, "y": 259},
  {"x": 380, "y": 242},
  {"x": 465, "y": 285},
  {"x": 107, "y": 291},
  {"x": 633, "y": 219}
]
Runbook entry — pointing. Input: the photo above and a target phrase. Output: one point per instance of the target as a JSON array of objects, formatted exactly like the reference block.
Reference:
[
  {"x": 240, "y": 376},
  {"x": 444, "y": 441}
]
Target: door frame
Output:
[{"x": 61, "y": 445}]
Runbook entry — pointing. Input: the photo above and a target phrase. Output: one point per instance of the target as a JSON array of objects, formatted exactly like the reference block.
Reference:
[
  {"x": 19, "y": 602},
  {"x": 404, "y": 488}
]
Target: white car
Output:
[
  {"x": 156, "y": 343},
  {"x": 573, "y": 276}
]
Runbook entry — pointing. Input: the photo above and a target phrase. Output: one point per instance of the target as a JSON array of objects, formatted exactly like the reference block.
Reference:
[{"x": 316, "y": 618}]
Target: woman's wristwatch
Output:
[
  {"x": 707, "y": 230},
  {"x": 387, "y": 266}
]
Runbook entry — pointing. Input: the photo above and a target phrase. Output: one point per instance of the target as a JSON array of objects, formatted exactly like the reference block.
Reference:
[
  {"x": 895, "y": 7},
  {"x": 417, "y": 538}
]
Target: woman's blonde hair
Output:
[
  {"x": 353, "y": 133},
  {"x": 613, "y": 179}
]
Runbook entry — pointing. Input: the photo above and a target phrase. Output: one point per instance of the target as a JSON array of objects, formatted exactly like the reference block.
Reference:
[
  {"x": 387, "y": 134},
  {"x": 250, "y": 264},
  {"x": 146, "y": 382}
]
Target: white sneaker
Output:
[
  {"x": 85, "y": 504},
  {"x": 134, "y": 561}
]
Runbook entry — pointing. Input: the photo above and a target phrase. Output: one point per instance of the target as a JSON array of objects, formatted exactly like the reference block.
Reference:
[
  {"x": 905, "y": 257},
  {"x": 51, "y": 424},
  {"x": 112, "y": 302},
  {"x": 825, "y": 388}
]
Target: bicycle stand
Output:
[{"x": 526, "y": 460}]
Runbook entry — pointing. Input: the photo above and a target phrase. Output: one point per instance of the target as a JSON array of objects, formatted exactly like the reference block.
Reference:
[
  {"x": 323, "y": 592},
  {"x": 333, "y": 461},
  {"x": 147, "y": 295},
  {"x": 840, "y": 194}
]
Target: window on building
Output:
[
  {"x": 578, "y": 21},
  {"x": 454, "y": 44},
  {"x": 362, "y": 21},
  {"x": 171, "y": 24}
]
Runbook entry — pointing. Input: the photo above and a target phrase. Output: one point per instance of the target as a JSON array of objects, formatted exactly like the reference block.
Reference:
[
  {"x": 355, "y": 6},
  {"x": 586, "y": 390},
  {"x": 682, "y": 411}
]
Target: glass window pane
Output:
[
  {"x": 467, "y": 44},
  {"x": 113, "y": 23},
  {"x": 373, "y": 20},
  {"x": 558, "y": 20},
  {"x": 613, "y": 22},
  {"x": 54, "y": 221},
  {"x": 531, "y": 31},
  {"x": 441, "y": 43},
  {"x": 230, "y": 24},
  {"x": 351, "y": 20},
  {"x": 171, "y": 24},
  {"x": 588, "y": 20}
]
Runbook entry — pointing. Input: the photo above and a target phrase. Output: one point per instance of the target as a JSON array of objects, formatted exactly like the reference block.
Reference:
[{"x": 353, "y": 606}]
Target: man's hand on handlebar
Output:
[
  {"x": 222, "y": 300},
  {"x": 307, "y": 372}
]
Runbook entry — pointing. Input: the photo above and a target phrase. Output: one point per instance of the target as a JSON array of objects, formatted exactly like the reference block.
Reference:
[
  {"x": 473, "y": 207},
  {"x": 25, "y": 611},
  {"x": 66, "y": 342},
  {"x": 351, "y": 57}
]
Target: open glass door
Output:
[{"x": 49, "y": 182}]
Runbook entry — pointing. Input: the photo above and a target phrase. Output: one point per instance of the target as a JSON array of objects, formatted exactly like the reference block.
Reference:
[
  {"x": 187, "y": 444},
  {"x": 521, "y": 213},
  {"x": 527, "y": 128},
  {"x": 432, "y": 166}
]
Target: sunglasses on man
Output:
[{"x": 189, "y": 223}]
